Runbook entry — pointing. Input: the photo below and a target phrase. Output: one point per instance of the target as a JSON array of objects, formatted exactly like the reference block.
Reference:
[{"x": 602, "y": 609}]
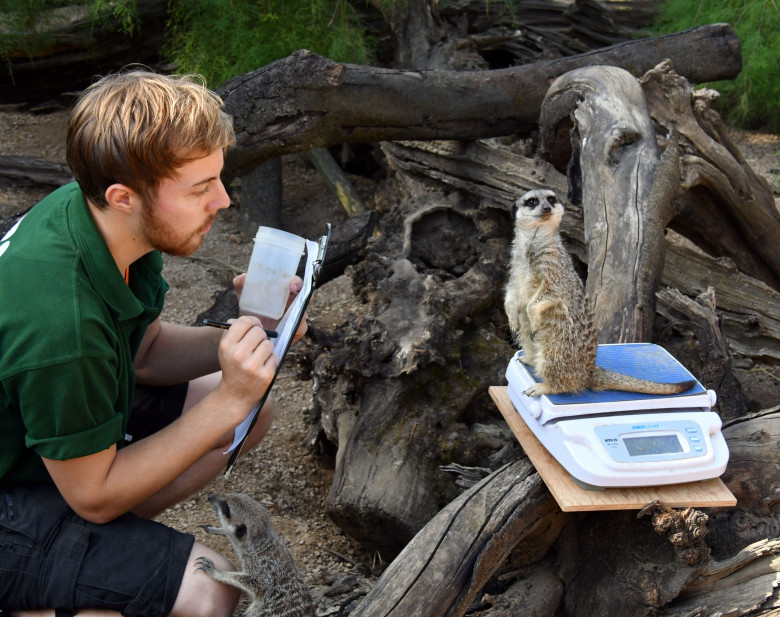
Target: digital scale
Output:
[{"x": 625, "y": 439}]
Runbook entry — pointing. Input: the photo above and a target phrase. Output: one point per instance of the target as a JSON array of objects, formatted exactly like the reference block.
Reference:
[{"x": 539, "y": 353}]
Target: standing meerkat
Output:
[
  {"x": 268, "y": 573},
  {"x": 549, "y": 313}
]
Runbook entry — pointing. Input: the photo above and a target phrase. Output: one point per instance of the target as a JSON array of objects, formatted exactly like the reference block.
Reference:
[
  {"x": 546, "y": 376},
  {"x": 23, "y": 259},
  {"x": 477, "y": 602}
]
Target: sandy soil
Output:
[{"x": 291, "y": 480}]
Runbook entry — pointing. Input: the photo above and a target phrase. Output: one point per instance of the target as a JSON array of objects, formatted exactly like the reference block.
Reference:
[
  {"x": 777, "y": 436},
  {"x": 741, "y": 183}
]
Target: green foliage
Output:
[
  {"x": 224, "y": 38},
  {"x": 752, "y": 100},
  {"x": 123, "y": 13}
]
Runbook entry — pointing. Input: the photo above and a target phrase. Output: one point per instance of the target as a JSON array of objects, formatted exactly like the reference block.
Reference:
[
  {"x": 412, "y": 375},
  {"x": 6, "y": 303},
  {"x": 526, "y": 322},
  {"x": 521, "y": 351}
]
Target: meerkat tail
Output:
[{"x": 610, "y": 380}]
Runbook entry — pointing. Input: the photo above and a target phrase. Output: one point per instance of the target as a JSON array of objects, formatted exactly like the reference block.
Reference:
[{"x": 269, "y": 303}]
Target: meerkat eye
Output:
[
  {"x": 240, "y": 531},
  {"x": 225, "y": 509},
  {"x": 532, "y": 202},
  {"x": 551, "y": 200}
]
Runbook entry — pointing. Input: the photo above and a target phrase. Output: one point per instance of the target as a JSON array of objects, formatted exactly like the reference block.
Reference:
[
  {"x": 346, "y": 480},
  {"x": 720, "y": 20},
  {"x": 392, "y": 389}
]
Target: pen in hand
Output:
[{"x": 224, "y": 326}]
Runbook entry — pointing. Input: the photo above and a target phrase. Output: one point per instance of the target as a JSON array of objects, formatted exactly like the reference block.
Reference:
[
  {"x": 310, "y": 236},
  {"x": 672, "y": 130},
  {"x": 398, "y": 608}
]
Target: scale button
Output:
[
  {"x": 698, "y": 449},
  {"x": 690, "y": 430},
  {"x": 694, "y": 439}
]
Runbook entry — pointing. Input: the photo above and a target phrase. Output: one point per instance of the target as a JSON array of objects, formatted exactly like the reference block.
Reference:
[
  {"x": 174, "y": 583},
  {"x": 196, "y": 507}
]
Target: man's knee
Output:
[
  {"x": 263, "y": 423},
  {"x": 200, "y": 595}
]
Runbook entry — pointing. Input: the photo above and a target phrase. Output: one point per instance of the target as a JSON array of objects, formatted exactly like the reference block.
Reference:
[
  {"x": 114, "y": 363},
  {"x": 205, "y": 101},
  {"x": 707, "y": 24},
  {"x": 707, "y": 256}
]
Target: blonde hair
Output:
[{"x": 137, "y": 127}]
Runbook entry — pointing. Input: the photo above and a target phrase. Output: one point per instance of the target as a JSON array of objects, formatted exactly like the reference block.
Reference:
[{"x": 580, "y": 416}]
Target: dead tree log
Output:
[
  {"x": 449, "y": 562},
  {"x": 614, "y": 173},
  {"x": 752, "y": 477},
  {"x": 76, "y": 48},
  {"x": 715, "y": 366},
  {"x": 727, "y": 209},
  {"x": 305, "y": 101},
  {"x": 26, "y": 170},
  {"x": 657, "y": 561}
]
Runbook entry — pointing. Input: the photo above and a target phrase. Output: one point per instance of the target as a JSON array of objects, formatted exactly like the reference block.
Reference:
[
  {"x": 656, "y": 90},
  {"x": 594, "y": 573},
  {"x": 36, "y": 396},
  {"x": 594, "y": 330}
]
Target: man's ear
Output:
[{"x": 122, "y": 197}]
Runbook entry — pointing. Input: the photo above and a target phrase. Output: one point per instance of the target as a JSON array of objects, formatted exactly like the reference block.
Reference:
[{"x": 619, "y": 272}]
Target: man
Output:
[{"x": 85, "y": 459}]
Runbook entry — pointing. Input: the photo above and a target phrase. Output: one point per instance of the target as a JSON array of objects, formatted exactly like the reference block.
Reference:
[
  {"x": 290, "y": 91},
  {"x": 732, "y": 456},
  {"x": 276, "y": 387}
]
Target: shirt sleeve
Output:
[{"x": 69, "y": 409}]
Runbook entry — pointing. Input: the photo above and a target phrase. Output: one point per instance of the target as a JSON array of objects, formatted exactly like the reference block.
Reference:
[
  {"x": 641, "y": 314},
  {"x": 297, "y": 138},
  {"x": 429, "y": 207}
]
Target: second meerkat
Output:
[
  {"x": 268, "y": 573},
  {"x": 548, "y": 311}
]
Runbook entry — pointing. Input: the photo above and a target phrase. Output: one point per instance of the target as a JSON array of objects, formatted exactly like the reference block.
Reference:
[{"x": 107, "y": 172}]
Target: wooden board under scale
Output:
[{"x": 572, "y": 498}]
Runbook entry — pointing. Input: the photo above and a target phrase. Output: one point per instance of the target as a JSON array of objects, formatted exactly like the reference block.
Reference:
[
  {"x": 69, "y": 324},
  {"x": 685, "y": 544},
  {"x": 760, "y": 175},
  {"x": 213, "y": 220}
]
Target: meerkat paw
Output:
[
  {"x": 537, "y": 390},
  {"x": 217, "y": 531},
  {"x": 204, "y": 564}
]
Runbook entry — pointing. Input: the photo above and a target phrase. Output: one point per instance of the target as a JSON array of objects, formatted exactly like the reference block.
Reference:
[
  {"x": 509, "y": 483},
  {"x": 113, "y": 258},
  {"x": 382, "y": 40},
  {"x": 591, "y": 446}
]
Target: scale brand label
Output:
[{"x": 638, "y": 427}]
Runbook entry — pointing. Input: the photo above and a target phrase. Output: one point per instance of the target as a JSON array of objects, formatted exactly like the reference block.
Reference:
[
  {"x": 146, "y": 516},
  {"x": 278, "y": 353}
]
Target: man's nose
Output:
[{"x": 221, "y": 199}]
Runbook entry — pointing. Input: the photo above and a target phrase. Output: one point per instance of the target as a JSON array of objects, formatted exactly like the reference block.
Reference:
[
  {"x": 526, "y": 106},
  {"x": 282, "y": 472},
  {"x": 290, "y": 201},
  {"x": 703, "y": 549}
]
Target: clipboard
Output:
[{"x": 291, "y": 320}]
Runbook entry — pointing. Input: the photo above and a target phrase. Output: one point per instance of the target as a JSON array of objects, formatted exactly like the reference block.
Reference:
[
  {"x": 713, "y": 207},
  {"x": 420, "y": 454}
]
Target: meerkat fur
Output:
[
  {"x": 268, "y": 575},
  {"x": 548, "y": 312}
]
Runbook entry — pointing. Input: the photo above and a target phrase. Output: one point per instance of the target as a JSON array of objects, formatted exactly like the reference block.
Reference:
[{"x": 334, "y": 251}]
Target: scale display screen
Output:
[
  {"x": 656, "y": 444},
  {"x": 652, "y": 439}
]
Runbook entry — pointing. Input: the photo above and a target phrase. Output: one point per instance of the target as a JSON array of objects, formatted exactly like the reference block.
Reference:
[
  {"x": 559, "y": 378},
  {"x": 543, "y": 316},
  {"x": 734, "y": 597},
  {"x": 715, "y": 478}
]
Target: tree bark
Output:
[{"x": 305, "y": 101}]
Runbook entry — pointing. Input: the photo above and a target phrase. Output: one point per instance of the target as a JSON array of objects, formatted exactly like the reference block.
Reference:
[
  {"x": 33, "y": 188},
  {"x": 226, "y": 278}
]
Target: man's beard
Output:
[{"x": 165, "y": 238}]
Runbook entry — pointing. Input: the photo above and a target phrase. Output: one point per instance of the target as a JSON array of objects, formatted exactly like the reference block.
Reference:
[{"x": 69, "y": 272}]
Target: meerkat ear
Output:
[
  {"x": 240, "y": 531},
  {"x": 513, "y": 210}
]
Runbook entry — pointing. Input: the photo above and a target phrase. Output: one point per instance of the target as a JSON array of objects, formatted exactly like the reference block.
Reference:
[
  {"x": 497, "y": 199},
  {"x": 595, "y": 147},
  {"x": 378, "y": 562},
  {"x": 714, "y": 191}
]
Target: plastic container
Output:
[{"x": 274, "y": 261}]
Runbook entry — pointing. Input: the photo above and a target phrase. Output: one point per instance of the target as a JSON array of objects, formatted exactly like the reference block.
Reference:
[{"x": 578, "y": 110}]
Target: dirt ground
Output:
[{"x": 291, "y": 480}]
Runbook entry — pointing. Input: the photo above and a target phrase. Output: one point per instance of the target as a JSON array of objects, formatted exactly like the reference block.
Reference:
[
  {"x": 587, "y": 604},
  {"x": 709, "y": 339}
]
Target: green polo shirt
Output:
[{"x": 69, "y": 329}]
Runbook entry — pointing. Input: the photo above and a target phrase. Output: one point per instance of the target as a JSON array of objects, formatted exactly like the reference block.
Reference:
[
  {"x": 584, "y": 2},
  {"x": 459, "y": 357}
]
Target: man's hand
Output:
[
  {"x": 296, "y": 284},
  {"x": 247, "y": 358}
]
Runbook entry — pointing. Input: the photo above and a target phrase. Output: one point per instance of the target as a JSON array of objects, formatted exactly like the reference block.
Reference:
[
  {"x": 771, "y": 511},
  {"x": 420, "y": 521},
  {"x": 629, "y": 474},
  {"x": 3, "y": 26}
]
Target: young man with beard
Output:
[{"x": 107, "y": 414}]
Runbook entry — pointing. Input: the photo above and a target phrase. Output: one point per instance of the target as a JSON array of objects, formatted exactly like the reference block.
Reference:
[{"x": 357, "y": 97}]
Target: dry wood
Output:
[
  {"x": 449, "y": 561},
  {"x": 609, "y": 563},
  {"x": 743, "y": 585},
  {"x": 337, "y": 181},
  {"x": 305, "y": 101},
  {"x": 612, "y": 171},
  {"x": 489, "y": 171}
]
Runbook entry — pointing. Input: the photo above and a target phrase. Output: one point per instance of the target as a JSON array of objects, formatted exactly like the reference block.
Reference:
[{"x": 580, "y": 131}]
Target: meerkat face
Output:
[
  {"x": 536, "y": 208},
  {"x": 240, "y": 517}
]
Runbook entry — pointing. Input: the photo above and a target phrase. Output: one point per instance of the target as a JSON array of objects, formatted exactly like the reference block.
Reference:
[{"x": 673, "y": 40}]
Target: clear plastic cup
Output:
[{"x": 274, "y": 261}]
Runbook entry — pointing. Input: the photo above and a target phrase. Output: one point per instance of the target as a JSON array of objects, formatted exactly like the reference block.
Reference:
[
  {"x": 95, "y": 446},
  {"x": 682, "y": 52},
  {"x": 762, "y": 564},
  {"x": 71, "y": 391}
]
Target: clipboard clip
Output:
[{"x": 322, "y": 247}]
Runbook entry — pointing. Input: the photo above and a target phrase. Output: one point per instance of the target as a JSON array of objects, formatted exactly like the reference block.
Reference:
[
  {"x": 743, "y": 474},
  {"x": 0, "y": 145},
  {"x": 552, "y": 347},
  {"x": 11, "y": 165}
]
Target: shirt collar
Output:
[{"x": 100, "y": 266}]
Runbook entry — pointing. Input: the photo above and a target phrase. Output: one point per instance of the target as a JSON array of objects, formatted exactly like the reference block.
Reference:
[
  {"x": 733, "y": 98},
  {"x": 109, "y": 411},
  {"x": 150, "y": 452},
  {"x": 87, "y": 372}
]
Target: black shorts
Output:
[{"x": 52, "y": 558}]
